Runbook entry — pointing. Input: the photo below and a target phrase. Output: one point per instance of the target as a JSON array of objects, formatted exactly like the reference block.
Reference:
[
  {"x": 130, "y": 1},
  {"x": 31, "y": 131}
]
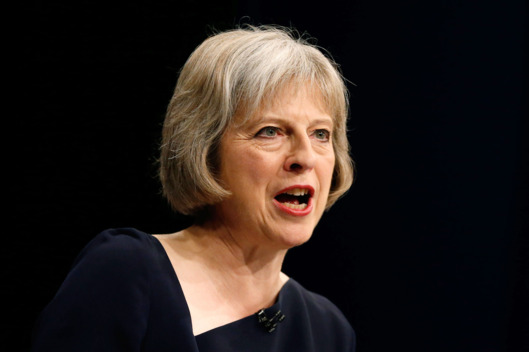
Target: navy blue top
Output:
[{"x": 122, "y": 294}]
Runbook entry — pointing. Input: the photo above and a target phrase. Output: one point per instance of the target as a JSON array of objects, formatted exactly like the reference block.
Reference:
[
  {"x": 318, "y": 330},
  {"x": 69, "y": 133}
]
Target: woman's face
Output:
[{"x": 279, "y": 168}]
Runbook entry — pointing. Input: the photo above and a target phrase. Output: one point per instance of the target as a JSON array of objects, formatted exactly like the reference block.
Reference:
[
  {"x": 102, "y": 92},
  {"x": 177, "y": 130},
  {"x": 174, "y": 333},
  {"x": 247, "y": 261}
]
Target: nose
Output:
[{"x": 301, "y": 156}]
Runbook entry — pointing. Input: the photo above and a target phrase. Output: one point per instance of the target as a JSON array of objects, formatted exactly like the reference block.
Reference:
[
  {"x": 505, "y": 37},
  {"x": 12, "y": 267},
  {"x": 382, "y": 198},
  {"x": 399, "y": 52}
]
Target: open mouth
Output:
[{"x": 295, "y": 198}]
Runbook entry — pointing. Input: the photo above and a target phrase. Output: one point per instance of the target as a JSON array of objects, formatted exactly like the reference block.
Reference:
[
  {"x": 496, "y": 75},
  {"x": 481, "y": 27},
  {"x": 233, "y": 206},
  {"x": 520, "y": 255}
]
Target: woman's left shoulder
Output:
[
  {"x": 324, "y": 316},
  {"x": 316, "y": 303}
]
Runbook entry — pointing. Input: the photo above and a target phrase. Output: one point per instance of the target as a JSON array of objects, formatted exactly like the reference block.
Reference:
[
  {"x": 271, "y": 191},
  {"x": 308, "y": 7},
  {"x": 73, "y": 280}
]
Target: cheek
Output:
[
  {"x": 327, "y": 171},
  {"x": 248, "y": 168}
]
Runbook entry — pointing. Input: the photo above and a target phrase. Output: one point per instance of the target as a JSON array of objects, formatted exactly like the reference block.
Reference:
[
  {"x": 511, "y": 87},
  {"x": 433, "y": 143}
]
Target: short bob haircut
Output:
[{"x": 235, "y": 73}]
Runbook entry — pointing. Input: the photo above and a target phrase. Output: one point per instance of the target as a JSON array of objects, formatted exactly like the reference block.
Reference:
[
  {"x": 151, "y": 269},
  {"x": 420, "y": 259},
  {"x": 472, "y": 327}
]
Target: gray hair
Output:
[{"x": 238, "y": 71}]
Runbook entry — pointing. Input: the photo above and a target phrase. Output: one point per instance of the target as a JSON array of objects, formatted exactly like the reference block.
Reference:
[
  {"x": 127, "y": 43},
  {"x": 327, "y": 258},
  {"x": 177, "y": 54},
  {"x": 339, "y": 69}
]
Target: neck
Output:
[
  {"x": 235, "y": 261},
  {"x": 224, "y": 276}
]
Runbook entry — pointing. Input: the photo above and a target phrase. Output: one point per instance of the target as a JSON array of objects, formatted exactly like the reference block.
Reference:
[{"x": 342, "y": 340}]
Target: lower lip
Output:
[{"x": 294, "y": 212}]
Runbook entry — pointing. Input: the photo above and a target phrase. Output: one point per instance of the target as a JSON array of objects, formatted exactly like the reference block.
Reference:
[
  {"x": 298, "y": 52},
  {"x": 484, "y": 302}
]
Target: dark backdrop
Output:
[{"x": 429, "y": 249}]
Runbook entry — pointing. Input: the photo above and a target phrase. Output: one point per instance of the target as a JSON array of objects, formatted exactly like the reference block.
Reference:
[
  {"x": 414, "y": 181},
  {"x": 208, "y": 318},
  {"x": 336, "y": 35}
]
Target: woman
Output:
[{"x": 255, "y": 148}]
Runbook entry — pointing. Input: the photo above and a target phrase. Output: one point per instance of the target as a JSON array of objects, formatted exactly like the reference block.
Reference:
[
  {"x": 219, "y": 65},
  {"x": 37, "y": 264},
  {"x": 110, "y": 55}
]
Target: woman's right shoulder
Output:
[
  {"x": 107, "y": 289},
  {"x": 117, "y": 251},
  {"x": 124, "y": 240}
]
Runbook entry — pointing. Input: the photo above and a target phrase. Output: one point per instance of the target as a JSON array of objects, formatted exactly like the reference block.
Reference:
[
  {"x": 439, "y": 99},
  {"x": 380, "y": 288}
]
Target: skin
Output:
[{"x": 237, "y": 255}]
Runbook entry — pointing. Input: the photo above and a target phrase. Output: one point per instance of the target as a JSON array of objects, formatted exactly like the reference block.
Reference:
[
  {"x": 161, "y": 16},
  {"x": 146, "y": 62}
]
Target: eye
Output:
[
  {"x": 322, "y": 135},
  {"x": 268, "y": 132}
]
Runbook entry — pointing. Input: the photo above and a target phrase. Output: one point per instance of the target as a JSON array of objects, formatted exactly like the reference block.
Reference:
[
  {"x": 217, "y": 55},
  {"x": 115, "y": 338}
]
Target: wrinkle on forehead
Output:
[{"x": 288, "y": 92}]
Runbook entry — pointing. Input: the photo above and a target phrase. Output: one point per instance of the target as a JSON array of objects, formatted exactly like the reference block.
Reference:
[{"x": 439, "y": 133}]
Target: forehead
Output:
[{"x": 279, "y": 99}]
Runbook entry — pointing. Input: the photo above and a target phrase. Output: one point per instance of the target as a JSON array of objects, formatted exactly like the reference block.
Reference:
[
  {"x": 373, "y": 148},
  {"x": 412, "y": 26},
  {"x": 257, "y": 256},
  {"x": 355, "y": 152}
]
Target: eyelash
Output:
[
  {"x": 327, "y": 134},
  {"x": 263, "y": 130}
]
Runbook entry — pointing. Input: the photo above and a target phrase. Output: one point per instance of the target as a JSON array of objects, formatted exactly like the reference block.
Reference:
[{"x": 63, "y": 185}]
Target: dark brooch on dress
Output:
[{"x": 269, "y": 324}]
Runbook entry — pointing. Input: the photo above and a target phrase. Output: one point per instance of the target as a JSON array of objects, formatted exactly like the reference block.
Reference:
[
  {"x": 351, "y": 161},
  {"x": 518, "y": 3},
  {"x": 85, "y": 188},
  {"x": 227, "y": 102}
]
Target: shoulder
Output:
[
  {"x": 118, "y": 245},
  {"x": 114, "y": 257},
  {"x": 124, "y": 239},
  {"x": 326, "y": 319},
  {"x": 318, "y": 305},
  {"x": 106, "y": 294}
]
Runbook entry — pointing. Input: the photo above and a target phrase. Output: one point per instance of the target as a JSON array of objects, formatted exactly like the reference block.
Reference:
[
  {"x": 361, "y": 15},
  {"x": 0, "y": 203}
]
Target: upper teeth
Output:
[{"x": 297, "y": 191}]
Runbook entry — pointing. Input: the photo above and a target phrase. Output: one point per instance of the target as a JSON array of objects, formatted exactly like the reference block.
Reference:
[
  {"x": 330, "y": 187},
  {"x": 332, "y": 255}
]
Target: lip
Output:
[{"x": 296, "y": 212}]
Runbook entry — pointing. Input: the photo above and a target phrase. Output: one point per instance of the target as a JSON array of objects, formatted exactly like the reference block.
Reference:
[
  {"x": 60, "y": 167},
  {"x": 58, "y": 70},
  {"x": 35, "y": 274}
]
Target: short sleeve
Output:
[{"x": 103, "y": 304}]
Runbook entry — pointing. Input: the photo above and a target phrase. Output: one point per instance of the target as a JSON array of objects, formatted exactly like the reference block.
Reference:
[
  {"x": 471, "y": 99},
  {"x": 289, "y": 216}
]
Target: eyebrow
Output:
[{"x": 273, "y": 119}]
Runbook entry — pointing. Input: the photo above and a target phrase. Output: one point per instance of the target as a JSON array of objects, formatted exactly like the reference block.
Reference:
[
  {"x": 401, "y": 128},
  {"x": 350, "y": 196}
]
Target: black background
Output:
[{"x": 429, "y": 249}]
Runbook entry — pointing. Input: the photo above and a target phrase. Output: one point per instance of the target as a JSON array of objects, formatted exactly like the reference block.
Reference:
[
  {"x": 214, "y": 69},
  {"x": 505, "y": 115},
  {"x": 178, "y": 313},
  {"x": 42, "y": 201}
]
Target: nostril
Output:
[{"x": 295, "y": 166}]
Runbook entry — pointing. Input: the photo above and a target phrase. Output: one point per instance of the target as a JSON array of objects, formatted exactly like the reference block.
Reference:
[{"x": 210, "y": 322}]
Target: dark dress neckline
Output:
[
  {"x": 122, "y": 294},
  {"x": 250, "y": 319}
]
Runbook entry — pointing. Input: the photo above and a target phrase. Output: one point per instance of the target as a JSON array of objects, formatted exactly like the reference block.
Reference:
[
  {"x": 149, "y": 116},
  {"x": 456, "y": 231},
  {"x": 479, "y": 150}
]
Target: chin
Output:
[{"x": 294, "y": 238}]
